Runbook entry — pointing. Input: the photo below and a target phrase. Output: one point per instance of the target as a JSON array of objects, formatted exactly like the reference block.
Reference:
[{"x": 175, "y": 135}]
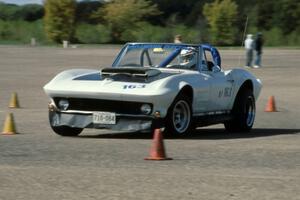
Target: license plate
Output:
[{"x": 104, "y": 118}]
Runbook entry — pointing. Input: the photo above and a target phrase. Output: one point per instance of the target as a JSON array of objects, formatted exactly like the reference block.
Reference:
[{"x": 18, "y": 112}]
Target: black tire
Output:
[
  {"x": 179, "y": 117},
  {"x": 243, "y": 113},
  {"x": 66, "y": 131}
]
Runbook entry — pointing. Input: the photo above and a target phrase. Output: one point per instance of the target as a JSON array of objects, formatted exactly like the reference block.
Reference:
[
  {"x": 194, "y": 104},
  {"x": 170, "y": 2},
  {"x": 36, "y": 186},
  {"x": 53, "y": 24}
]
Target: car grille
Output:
[{"x": 121, "y": 107}]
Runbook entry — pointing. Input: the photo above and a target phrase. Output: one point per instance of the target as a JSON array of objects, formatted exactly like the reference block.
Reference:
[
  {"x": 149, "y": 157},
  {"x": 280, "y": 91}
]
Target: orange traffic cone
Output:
[
  {"x": 271, "y": 105},
  {"x": 157, "y": 151},
  {"x": 9, "y": 125},
  {"x": 14, "y": 102}
]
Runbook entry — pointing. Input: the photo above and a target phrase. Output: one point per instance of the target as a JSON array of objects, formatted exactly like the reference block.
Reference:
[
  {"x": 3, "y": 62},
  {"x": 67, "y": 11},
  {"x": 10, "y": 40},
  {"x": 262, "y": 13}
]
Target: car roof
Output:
[{"x": 158, "y": 43}]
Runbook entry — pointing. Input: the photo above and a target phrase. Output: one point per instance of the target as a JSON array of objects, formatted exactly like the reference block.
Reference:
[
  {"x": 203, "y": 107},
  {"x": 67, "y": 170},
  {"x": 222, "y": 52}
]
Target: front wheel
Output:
[
  {"x": 243, "y": 113},
  {"x": 63, "y": 130},
  {"x": 66, "y": 130},
  {"x": 179, "y": 116}
]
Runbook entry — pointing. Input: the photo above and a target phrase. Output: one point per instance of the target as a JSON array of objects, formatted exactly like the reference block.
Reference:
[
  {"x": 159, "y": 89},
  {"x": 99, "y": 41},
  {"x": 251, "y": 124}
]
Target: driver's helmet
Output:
[{"x": 188, "y": 57}]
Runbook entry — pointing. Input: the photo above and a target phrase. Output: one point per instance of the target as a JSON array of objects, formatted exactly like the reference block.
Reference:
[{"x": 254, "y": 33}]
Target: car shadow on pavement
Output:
[
  {"x": 122, "y": 135},
  {"x": 201, "y": 134},
  {"x": 222, "y": 134}
]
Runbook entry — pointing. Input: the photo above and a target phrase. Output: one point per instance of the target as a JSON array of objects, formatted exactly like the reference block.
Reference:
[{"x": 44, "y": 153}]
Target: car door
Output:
[
  {"x": 221, "y": 83},
  {"x": 221, "y": 91},
  {"x": 202, "y": 86}
]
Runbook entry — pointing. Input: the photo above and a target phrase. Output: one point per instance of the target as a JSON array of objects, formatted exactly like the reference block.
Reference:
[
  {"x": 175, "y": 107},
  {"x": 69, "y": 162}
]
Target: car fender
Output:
[
  {"x": 72, "y": 74},
  {"x": 67, "y": 75},
  {"x": 182, "y": 84},
  {"x": 240, "y": 76},
  {"x": 177, "y": 82}
]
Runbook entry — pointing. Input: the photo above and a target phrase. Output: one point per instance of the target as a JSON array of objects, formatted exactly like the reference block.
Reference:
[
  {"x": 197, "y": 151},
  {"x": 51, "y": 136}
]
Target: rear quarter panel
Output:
[{"x": 240, "y": 76}]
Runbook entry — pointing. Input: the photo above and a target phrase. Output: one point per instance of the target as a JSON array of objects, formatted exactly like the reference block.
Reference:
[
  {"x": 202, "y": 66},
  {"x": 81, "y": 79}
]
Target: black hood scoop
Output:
[{"x": 130, "y": 71}]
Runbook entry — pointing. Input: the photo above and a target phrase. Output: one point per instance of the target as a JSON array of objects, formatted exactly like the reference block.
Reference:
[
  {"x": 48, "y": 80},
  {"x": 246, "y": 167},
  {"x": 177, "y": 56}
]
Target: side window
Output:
[
  {"x": 207, "y": 61},
  {"x": 211, "y": 59},
  {"x": 203, "y": 66}
]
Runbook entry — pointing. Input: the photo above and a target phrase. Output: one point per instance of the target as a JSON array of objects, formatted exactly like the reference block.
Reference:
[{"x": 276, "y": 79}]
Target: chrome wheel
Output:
[{"x": 181, "y": 116}]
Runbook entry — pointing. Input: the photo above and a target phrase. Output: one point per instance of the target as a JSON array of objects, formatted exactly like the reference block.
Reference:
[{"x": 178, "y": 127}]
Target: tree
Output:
[
  {"x": 8, "y": 11},
  {"x": 265, "y": 14},
  {"x": 84, "y": 10},
  {"x": 88, "y": 33},
  {"x": 60, "y": 19},
  {"x": 221, "y": 17},
  {"x": 288, "y": 15},
  {"x": 182, "y": 9},
  {"x": 30, "y": 12},
  {"x": 124, "y": 15}
]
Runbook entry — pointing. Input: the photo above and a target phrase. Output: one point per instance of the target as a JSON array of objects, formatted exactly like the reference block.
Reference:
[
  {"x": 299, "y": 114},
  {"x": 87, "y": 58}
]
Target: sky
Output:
[{"x": 21, "y": 2}]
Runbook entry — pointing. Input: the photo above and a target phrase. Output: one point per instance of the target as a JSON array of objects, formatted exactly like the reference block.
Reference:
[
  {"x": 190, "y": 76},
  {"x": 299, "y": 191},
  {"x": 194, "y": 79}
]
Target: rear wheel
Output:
[
  {"x": 179, "y": 118},
  {"x": 243, "y": 113}
]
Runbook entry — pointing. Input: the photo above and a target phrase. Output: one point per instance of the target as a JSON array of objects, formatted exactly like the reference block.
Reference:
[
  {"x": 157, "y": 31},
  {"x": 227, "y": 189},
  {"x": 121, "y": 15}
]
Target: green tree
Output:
[
  {"x": 60, "y": 19},
  {"x": 88, "y": 33},
  {"x": 8, "y": 11},
  {"x": 84, "y": 10},
  {"x": 124, "y": 15},
  {"x": 288, "y": 15},
  {"x": 265, "y": 14},
  {"x": 221, "y": 17},
  {"x": 30, "y": 12},
  {"x": 182, "y": 10}
]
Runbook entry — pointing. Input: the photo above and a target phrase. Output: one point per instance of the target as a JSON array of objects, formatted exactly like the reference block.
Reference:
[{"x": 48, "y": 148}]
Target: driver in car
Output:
[{"x": 188, "y": 58}]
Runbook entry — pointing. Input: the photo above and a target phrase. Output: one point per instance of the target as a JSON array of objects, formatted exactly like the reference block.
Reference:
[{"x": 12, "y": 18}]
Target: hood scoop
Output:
[{"x": 130, "y": 71}]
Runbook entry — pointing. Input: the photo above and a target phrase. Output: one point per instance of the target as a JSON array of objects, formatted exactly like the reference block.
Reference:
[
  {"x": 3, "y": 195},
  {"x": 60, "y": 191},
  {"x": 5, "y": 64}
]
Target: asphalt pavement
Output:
[{"x": 100, "y": 164}]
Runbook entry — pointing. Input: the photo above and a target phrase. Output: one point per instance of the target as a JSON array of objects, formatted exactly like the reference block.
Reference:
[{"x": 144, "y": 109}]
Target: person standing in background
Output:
[
  {"x": 258, "y": 49},
  {"x": 249, "y": 46},
  {"x": 178, "y": 39}
]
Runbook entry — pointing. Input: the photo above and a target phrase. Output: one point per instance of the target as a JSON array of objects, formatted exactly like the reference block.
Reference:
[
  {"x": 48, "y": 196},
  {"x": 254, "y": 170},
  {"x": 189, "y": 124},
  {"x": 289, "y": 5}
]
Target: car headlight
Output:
[
  {"x": 63, "y": 104},
  {"x": 146, "y": 109}
]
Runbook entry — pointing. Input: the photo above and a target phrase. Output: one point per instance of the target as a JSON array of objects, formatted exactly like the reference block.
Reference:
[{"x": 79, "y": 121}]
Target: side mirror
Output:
[
  {"x": 216, "y": 68},
  {"x": 204, "y": 67}
]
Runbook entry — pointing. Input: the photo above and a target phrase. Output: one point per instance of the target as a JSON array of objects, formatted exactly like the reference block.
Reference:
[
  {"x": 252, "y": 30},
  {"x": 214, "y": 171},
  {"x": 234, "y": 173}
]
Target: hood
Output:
[
  {"x": 127, "y": 74},
  {"x": 108, "y": 83}
]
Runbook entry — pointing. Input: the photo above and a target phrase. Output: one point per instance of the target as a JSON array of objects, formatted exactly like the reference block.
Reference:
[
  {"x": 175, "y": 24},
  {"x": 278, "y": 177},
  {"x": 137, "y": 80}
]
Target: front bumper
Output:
[{"x": 85, "y": 120}]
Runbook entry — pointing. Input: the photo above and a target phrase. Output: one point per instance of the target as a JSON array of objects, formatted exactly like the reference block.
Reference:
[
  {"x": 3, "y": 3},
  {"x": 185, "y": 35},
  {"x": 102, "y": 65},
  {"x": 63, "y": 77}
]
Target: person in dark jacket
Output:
[{"x": 258, "y": 43}]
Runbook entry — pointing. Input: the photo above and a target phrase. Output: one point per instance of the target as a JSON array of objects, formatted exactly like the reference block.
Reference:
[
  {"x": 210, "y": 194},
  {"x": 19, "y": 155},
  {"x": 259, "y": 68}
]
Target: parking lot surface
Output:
[{"x": 100, "y": 164}]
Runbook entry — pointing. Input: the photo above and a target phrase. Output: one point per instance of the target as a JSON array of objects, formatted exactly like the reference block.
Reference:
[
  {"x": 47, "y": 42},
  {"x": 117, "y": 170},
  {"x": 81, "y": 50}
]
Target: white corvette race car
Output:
[{"x": 180, "y": 85}]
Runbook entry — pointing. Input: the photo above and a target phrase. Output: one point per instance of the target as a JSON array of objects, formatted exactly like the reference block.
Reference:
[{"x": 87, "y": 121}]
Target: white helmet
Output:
[{"x": 188, "y": 58}]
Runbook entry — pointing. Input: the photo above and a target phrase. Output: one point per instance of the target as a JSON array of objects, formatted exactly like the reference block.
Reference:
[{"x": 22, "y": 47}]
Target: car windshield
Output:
[{"x": 158, "y": 55}]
